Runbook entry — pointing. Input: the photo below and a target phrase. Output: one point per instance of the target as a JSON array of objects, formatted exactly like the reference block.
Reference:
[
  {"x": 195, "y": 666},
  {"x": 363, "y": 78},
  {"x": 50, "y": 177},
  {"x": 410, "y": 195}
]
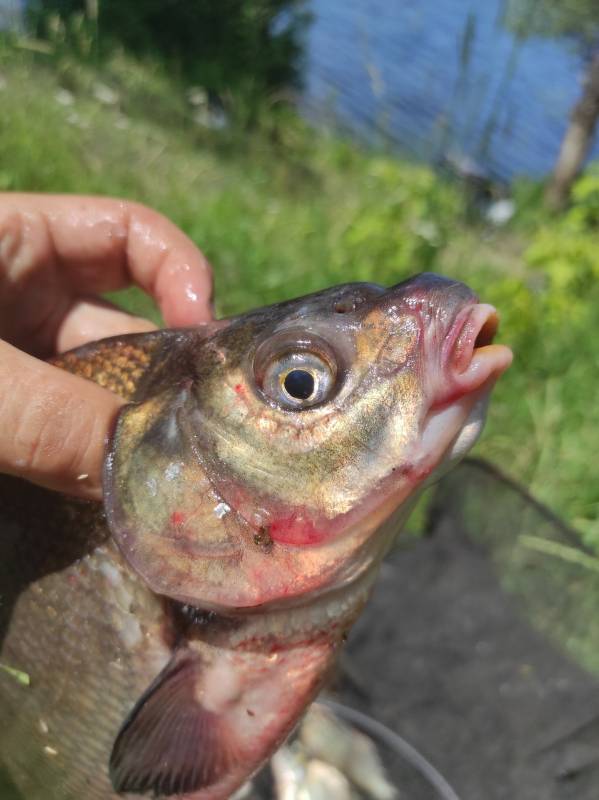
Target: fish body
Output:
[{"x": 255, "y": 479}]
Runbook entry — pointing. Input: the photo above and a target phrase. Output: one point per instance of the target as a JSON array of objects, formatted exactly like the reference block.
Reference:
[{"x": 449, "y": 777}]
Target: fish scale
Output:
[{"x": 78, "y": 596}]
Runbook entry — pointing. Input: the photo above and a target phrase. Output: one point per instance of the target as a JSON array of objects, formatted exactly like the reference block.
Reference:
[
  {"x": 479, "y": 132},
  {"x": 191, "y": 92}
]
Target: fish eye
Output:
[
  {"x": 299, "y": 384},
  {"x": 297, "y": 380}
]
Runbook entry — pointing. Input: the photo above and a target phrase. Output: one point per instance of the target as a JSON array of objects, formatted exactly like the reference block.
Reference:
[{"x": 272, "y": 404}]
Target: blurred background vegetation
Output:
[{"x": 191, "y": 108}]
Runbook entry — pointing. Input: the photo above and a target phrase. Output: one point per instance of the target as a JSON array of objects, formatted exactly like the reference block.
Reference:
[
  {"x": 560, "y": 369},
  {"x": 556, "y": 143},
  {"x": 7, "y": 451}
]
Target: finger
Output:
[
  {"x": 102, "y": 244},
  {"x": 88, "y": 320},
  {"x": 54, "y": 425}
]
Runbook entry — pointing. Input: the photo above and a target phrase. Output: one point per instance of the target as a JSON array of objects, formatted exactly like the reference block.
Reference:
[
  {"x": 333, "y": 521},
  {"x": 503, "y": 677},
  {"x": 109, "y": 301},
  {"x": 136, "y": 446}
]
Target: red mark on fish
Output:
[
  {"x": 295, "y": 529},
  {"x": 177, "y": 518}
]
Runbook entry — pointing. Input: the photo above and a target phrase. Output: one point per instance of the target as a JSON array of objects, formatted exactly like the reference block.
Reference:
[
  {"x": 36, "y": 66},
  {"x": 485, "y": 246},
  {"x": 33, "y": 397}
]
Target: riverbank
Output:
[{"x": 282, "y": 210}]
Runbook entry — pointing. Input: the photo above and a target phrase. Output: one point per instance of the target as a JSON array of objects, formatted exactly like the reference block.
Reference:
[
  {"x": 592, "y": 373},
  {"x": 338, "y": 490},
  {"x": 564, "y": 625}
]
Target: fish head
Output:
[
  {"x": 258, "y": 479},
  {"x": 272, "y": 460}
]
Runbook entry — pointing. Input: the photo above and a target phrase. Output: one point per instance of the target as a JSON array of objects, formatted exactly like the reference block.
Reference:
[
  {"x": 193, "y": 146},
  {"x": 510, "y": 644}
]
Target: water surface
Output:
[{"x": 439, "y": 77}]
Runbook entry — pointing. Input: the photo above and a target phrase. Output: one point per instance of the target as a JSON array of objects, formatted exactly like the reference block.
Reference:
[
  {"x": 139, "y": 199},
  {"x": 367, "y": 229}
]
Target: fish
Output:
[
  {"x": 328, "y": 739},
  {"x": 257, "y": 474},
  {"x": 329, "y": 759},
  {"x": 296, "y": 778}
]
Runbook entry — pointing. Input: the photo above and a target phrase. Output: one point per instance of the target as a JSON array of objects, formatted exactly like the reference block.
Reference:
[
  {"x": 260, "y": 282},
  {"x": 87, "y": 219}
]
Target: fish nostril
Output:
[{"x": 345, "y": 305}]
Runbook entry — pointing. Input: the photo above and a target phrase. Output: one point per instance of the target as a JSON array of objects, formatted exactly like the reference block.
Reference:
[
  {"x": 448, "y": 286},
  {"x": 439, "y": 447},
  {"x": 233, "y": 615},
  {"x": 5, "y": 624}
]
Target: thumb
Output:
[{"x": 54, "y": 425}]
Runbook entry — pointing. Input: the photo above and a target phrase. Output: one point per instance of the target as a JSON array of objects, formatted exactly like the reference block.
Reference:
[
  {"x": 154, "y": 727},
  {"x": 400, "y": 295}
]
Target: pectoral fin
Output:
[
  {"x": 215, "y": 713},
  {"x": 171, "y": 744}
]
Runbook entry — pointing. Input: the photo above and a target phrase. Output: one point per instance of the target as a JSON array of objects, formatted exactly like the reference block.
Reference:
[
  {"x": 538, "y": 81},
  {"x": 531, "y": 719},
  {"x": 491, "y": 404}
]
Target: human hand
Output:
[{"x": 57, "y": 254}]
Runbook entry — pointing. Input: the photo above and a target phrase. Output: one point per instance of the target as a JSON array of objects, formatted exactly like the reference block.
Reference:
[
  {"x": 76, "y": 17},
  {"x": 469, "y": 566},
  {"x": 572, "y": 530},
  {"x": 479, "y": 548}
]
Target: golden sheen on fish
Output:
[{"x": 258, "y": 475}]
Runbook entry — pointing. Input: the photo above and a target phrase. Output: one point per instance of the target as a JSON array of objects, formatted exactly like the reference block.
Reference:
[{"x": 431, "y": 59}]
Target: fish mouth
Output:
[{"x": 470, "y": 355}]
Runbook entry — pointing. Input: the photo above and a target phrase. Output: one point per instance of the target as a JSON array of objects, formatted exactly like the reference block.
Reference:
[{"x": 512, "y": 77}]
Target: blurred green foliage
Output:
[
  {"x": 577, "y": 20},
  {"x": 282, "y": 210},
  {"x": 553, "y": 315},
  {"x": 568, "y": 247},
  {"x": 226, "y": 46}
]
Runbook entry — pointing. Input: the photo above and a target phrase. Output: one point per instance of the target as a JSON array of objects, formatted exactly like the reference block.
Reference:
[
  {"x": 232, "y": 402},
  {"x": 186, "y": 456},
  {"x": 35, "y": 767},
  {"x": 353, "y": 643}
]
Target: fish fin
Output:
[{"x": 170, "y": 744}]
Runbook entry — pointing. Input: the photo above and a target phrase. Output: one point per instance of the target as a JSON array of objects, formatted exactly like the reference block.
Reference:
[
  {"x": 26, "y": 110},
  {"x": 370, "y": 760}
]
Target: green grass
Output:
[{"x": 284, "y": 210}]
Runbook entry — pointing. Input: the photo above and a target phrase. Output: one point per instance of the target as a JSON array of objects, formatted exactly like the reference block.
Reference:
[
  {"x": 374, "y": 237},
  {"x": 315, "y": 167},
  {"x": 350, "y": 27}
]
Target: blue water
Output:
[
  {"x": 391, "y": 70},
  {"x": 11, "y": 14}
]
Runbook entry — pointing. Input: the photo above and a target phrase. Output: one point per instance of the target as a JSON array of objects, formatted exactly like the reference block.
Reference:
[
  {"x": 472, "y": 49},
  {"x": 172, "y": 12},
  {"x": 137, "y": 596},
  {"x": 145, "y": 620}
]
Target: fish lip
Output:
[
  {"x": 469, "y": 356},
  {"x": 474, "y": 326}
]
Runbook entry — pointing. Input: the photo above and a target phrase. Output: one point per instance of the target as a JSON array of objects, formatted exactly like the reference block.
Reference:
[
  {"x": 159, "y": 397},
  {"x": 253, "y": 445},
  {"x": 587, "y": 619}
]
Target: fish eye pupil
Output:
[{"x": 299, "y": 384}]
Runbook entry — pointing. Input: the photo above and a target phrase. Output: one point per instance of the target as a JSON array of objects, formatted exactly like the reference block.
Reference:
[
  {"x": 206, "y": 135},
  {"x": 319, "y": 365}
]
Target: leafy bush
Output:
[
  {"x": 250, "y": 48},
  {"x": 552, "y": 316},
  {"x": 402, "y": 225},
  {"x": 567, "y": 249}
]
